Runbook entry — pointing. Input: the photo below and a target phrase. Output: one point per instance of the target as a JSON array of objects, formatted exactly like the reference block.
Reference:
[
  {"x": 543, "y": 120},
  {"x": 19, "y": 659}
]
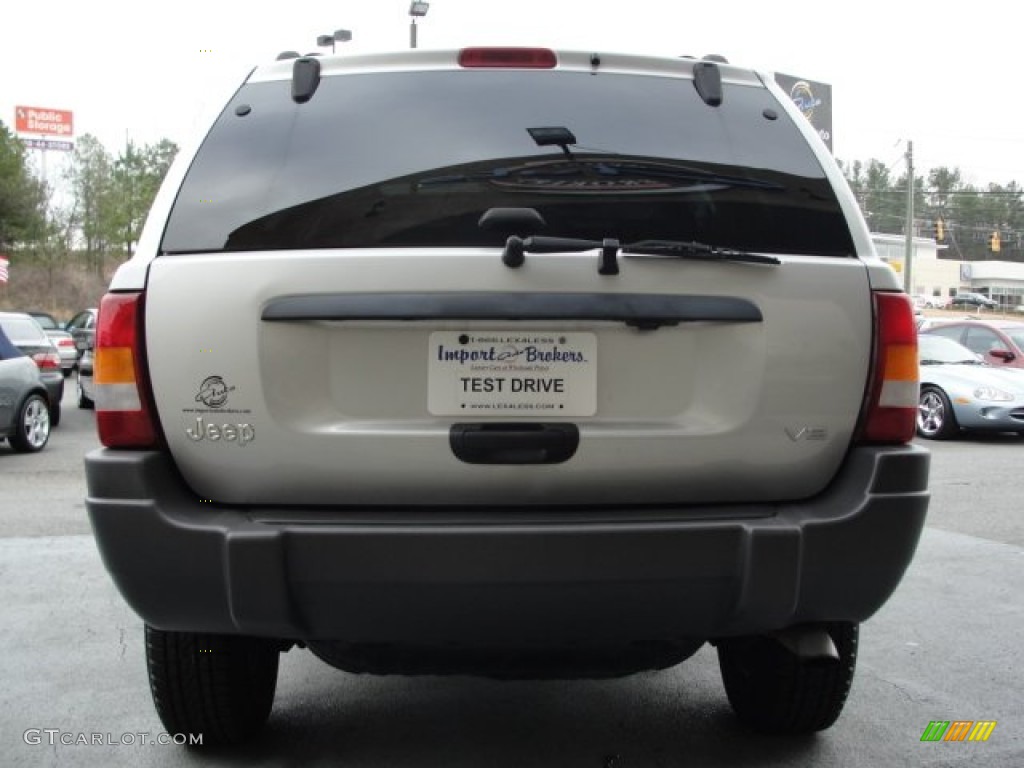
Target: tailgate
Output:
[{"x": 336, "y": 377}]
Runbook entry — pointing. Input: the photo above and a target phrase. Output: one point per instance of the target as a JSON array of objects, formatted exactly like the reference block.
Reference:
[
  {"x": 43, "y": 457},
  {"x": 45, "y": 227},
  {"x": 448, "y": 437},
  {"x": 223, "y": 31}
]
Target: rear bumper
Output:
[
  {"x": 510, "y": 577},
  {"x": 54, "y": 383}
]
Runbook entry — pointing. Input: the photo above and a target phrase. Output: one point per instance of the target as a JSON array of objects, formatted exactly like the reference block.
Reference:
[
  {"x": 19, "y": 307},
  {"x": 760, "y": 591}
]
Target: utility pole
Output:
[{"x": 908, "y": 257}]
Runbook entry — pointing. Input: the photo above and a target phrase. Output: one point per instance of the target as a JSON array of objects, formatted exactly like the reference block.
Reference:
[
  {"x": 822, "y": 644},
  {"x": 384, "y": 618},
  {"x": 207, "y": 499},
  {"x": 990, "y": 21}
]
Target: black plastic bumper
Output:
[{"x": 505, "y": 577}]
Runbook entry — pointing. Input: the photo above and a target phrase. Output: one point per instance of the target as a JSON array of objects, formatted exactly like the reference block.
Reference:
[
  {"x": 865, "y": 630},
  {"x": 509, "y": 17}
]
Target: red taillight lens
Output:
[
  {"x": 47, "y": 361},
  {"x": 890, "y": 414},
  {"x": 124, "y": 416},
  {"x": 65, "y": 342},
  {"x": 513, "y": 58}
]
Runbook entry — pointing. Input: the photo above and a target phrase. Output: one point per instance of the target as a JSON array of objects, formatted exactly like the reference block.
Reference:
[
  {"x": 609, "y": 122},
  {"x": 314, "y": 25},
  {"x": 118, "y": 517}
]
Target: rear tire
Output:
[
  {"x": 220, "y": 686},
  {"x": 774, "y": 691},
  {"x": 83, "y": 400},
  {"x": 32, "y": 425}
]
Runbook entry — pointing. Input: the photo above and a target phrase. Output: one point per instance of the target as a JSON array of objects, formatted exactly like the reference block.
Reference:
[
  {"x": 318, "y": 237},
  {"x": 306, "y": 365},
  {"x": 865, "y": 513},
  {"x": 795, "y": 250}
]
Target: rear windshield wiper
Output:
[
  {"x": 695, "y": 250},
  {"x": 516, "y": 248}
]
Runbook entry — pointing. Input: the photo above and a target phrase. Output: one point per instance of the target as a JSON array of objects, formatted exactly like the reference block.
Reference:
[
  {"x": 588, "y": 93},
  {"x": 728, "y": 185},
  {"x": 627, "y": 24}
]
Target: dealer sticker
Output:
[{"x": 504, "y": 373}]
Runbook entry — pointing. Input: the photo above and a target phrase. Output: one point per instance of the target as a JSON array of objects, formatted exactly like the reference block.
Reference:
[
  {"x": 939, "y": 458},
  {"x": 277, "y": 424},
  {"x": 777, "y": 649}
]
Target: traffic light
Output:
[
  {"x": 993, "y": 243},
  {"x": 940, "y": 230}
]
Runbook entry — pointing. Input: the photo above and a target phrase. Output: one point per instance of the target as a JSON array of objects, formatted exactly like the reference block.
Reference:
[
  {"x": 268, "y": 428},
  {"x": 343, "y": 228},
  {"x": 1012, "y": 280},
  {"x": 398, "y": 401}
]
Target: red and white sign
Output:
[
  {"x": 4, "y": 274},
  {"x": 44, "y": 122}
]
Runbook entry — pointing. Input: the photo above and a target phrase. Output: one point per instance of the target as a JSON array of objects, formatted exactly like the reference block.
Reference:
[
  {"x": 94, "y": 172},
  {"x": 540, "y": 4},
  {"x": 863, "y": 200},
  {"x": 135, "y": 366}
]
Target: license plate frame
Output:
[{"x": 520, "y": 374}]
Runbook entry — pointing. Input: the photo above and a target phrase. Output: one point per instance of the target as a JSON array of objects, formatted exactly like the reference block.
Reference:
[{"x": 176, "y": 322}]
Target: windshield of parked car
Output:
[
  {"x": 937, "y": 350},
  {"x": 415, "y": 158}
]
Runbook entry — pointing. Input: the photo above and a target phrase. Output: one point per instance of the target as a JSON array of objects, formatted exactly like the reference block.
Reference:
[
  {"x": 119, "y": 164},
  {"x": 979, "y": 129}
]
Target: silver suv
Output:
[{"x": 510, "y": 362}]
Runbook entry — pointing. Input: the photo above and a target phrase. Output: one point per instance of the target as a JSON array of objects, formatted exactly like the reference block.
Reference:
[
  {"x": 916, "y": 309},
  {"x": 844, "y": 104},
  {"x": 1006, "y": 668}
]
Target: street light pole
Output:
[
  {"x": 416, "y": 10},
  {"x": 339, "y": 36}
]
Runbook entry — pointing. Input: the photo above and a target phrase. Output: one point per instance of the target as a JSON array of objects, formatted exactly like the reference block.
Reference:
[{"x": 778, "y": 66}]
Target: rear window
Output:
[
  {"x": 7, "y": 350},
  {"x": 415, "y": 159},
  {"x": 22, "y": 329},
  {"x": 46, "y": 322}
]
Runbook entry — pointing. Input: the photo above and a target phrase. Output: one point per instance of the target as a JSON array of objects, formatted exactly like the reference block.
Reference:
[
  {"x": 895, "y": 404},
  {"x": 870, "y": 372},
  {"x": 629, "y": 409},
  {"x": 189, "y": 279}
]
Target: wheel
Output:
[
  {"x": 33, "y": 425},
  {"x": 83, "y": 400},
  {"x": 220, "y": 686},
  {"x": 774, "y": 691},
  {"x": 935, "y": 417}
]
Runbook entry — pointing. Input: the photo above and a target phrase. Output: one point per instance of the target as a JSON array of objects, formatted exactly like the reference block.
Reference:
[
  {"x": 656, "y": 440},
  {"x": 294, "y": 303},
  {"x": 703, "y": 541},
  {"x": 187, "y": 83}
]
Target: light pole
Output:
[
  {"x": 339, "y": 36},
  {"x": 416, "y": 10}
]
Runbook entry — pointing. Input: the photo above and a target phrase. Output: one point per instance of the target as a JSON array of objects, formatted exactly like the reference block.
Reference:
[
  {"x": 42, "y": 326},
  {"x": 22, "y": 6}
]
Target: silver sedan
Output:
[{"x": 959, "y": 392}]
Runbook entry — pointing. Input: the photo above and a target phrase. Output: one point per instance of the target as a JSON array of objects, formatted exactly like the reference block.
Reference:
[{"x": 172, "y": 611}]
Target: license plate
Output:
[{"x": 531, "y": 374}]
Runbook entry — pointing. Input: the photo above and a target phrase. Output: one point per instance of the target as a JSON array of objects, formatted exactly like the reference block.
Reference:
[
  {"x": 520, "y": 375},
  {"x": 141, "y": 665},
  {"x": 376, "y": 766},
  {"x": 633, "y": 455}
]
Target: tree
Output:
[
  {"x": 135, "y": 180},
  {"x": 21, "y": 193},
  {"x": 90, "y": 176},
  {"x": 969, "y": 214},
  {"x": 880, "y": 202}
]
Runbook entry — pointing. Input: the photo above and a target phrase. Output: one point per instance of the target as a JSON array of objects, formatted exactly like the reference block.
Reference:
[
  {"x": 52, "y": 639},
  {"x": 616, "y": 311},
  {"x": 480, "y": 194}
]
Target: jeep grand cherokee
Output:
[{"x": 513, "y": 362}]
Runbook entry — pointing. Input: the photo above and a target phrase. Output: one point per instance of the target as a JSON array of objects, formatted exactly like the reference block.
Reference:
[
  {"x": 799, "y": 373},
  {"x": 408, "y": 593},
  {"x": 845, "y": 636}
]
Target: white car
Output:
[{"x": 511, "y": 362}]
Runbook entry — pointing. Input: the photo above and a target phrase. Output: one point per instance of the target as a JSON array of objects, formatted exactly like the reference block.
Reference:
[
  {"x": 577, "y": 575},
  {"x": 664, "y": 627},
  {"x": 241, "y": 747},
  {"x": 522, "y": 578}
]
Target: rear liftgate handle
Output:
[{"x": 517, "y": 443}]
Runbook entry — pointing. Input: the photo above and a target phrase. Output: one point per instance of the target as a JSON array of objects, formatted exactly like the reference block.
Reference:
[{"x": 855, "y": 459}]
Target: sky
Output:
[{"x": 940, "y": 75}]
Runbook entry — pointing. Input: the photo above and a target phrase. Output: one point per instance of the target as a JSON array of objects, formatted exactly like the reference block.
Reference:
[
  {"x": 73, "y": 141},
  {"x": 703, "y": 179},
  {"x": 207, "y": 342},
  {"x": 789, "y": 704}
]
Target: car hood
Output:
[{"x": 972, "y": 376}]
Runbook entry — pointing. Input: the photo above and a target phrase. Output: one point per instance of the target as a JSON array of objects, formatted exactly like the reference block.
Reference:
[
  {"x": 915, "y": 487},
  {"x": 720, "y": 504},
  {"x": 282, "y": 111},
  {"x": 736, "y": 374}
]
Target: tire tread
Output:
[
  {"x": 219, "y": 686},
  {"x": 773, "y": 691}
]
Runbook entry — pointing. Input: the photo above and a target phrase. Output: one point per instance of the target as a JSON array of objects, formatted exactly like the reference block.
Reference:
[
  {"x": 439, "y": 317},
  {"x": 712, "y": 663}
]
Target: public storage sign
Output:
[
  {"x": 44, "y": 122},
  {"x": 510, "y": 373}
]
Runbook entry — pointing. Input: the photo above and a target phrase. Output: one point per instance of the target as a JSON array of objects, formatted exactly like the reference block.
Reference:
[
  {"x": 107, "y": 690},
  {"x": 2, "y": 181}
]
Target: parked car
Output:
[
  {"x": 999, "y": 342},
  {"x": 61, "y": 339},
  {"x": 595, "y": 366},
  {"x": 936, "y": 302},
  {"x": 968, "y": 300},
  {"x": 24, "y": 400},
  {"x": 26, "y": 334},
  {"x": 960, "y": 391},
  {"x": 82, "y": 327},
  {"x": 924, "y": 301},
  {"x": 83, "y": 381}
]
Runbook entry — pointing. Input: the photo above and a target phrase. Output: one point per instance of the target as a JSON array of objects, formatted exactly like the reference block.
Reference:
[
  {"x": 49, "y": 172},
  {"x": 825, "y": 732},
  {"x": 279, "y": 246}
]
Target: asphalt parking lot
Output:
[{"x": 945, "y": 648}]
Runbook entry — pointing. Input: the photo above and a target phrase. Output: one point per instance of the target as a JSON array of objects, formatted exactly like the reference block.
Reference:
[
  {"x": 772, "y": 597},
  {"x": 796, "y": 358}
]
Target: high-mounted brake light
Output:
[
  {"x": 890, "y": 415},
  {"x": 510, "y": 58},
  {"x": 124, "y": 416}
]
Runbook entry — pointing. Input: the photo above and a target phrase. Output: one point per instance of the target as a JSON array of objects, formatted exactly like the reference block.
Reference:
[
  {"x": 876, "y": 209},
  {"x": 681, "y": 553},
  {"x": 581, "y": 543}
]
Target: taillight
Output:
[
  {"x": 513, "y": 58},
  {"x": 124, "y": 415},
  {"x": 65, "y": 342},
  {"x": 47, "y": 361},
  {"x": 890, "y": 414}
]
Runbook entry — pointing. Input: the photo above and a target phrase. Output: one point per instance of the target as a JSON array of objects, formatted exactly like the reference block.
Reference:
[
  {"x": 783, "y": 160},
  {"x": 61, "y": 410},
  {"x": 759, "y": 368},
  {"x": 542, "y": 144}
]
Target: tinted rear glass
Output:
[
  {"x": 21, "y": 329},
  {"x": 415, "y": 159}
]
